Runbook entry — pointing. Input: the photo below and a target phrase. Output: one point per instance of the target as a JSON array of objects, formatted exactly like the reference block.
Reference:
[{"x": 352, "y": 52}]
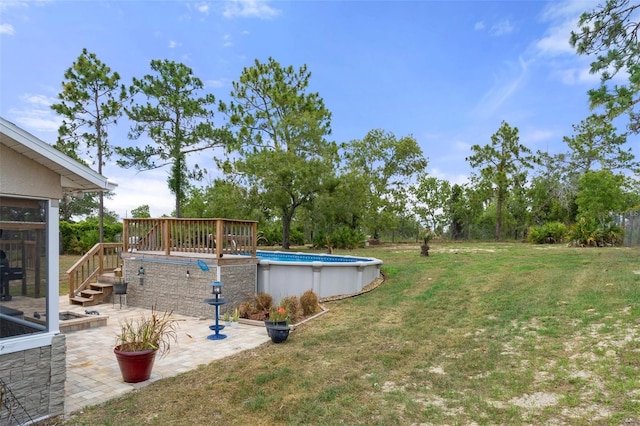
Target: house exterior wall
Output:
[
  {"x": 33, "y": 366},
  {"x": 21, "y": 176},
  {"x": 36, "y": 379},
  {"x": 165, "y": 284}
]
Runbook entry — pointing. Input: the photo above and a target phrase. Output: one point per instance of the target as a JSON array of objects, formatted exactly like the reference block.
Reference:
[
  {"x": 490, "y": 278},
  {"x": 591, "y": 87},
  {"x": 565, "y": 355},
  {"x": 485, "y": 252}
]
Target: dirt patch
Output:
[
  {"x": 437, "y": 370},
  {"x": 536, "y": 400}
]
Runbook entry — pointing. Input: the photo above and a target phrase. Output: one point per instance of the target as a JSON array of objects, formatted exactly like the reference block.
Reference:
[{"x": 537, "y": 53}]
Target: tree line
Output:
[{"x": 279, "y": 166}]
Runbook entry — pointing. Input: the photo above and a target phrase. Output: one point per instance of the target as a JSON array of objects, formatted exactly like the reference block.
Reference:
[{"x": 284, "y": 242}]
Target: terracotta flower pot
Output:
[{"x": 135, "y": 366}]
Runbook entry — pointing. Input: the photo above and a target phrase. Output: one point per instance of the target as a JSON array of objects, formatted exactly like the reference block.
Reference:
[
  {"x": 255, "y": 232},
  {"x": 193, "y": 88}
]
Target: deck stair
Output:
[{"x": 96, "y": 293}]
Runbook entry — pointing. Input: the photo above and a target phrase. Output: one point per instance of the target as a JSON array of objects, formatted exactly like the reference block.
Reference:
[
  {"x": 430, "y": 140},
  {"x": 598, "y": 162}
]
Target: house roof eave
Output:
[{"x": 73, "y": 175}]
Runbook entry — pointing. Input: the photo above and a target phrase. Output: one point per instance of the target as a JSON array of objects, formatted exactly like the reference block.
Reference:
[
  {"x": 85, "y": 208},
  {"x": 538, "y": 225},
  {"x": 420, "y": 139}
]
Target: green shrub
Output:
[
  {"x": 271, "y": 235},
  {"x": 585, "y": 232},
  {"x": 342, "y": 238},
  {"x": 549, "y": 233},
  {"x": 614, "y": 235},
  {"x": 89, "y": 239},
  {"x": 79, "y": 237},
  {"x": 296, "y": 237},
  {"x": 589, "y": 232}
]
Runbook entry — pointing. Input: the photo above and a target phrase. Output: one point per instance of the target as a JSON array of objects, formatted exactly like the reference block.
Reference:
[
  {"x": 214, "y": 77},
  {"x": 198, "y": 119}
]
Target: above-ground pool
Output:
[{"x": 291, "y": 274}]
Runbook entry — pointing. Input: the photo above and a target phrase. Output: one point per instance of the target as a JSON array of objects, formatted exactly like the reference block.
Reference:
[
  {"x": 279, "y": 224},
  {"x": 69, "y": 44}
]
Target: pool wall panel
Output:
[{"x": 326, "y": 279}]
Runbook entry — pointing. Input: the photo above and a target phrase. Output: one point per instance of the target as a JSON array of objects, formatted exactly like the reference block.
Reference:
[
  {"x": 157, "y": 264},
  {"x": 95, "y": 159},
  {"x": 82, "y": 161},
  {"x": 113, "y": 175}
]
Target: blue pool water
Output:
[{"x": 278, "y": 256}]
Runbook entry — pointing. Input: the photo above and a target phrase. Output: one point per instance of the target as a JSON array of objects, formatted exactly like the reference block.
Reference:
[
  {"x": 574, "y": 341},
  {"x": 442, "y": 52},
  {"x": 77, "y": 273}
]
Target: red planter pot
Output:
[{"x": 135, "y": 366}]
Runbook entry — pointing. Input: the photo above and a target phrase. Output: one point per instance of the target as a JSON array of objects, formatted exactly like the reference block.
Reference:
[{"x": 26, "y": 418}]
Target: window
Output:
[{"x": 23, "y": 267}]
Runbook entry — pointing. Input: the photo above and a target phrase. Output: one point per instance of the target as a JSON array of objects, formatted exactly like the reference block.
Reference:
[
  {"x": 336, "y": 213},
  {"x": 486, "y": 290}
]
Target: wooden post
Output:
[
  {"x": 125, "y": 235},
  {"x": 219, "y": 238},
  {"x": 166, "y": 241},
  {"x": 255, "y": 239}
]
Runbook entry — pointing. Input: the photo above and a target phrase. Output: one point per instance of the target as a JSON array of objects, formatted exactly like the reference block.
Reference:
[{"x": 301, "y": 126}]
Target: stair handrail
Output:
[{"x": 103, "y": 257}]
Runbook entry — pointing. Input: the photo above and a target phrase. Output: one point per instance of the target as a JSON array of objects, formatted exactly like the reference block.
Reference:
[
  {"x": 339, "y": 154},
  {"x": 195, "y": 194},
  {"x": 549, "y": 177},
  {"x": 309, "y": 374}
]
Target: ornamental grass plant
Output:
[{"x": 156, "y": 331}]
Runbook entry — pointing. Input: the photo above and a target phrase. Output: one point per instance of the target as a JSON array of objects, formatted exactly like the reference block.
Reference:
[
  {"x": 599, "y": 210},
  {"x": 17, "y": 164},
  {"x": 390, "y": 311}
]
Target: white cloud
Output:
[
  {"x": 563, "y": 18},
  {"x": 216, "y": 84},
  {"x": 452, "y": 178},
  {"x": 502, "y": 28},
  {"x": 138, "y": 188},
  {"x": 6, "y": 5},
  {"x": 147, "y": 187},
  {"x": 567, "y": 9},
  {"x": 227, "y": 41},
  {"x": 554, "y": 48},
  {"x": 40, "y": 100},
  {"x": 174, "y": 44},
  {"x": 7, "y": 29},
  {"x": 556, "y": 40},
  {"x": 249, "y": 9},
  {"x": 572, "y": 76},
  {"x": 36, "y": 114},
  {"x": 36, "y": 119},
  {"x": 502, "y": 90},
  {"x": 460, "y": 146},
  {"x": 536, "y": 135},
  {"x": 202, "y": 8}
]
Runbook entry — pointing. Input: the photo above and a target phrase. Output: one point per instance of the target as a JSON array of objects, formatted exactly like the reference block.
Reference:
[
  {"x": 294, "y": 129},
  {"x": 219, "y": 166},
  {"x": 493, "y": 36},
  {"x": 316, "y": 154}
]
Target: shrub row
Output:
[
  {"x": 79, "y": 237},
  {"x": 585, "y": 232},
  {"x": 297, "y": 308},
  {"x": 342, "y": 238}
]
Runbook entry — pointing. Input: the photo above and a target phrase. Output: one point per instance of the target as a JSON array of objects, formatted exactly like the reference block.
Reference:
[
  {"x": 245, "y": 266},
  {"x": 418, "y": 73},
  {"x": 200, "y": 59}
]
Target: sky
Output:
[{"x": 445, "y": 72}]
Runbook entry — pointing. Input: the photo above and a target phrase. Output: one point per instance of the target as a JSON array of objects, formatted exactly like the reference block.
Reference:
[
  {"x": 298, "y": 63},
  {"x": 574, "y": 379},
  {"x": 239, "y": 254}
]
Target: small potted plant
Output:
[
  {"x": 139, "y": 340},
  {"x": 235, "y": 318},
  {"x": 277, "y": 324},
  {"x": 227, "y": 319}
]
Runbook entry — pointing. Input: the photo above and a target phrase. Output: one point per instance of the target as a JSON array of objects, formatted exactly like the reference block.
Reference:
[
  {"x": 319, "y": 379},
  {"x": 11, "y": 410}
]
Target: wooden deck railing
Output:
[
  {"x": 103, "y": 257},
  {"x": 169, "y": 235}
]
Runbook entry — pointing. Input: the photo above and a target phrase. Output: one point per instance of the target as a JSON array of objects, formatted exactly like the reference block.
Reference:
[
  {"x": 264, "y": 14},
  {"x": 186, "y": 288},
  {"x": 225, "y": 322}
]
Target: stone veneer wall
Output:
[
  {"x": 36, "y": 377},
  {"x": 166, "y": 285}
]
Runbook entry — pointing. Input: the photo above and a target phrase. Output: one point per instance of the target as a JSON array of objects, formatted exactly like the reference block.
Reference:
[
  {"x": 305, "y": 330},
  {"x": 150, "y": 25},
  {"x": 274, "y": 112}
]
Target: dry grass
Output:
[{"x": 473, "y": 334}]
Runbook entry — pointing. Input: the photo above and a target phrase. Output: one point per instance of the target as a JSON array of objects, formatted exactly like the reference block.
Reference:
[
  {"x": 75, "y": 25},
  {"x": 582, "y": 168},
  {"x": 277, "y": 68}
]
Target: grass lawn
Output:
[
  {"x": 66, "y": 262},
  {"x": 473, "y": 334}
]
